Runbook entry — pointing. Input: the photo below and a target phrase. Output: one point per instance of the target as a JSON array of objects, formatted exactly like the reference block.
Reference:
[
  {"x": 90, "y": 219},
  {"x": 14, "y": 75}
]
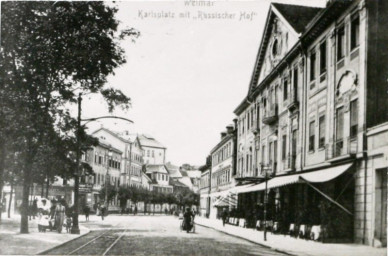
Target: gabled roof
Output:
[
  {"x": 297, "y": 16},
  {"x": 158, "y": 168},
  {"x": 149, "y": 141}
]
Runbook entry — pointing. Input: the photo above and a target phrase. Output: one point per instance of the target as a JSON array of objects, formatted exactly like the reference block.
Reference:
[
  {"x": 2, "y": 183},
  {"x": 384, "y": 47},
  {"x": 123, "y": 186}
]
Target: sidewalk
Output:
[
  {"x": 14, "y": 243},
  {"x": 291, "y": 245}
]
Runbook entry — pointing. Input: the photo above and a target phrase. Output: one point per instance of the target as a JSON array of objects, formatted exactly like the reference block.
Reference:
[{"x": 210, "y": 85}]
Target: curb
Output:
[
  {"x": 68, "y": 241},
  {"x": 246, "y": 239}
]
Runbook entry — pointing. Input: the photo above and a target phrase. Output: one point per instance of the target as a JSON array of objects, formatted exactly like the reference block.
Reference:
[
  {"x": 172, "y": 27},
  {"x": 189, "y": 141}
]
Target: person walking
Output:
[
  {"x": 224, "y": 216},
  {"x": 60, "y": 215},
  {"x": 87, "y": 212},
  {"x": 135, "y": 212},
  {"x": 102, "y": 211}
]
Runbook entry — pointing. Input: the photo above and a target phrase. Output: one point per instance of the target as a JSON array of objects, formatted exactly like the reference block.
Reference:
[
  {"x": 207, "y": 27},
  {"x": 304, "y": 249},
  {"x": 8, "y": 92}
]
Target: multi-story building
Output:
[
  {"x": 204, "y": 188},
  {"x": 132, "y": 157},
  {"x": 314, "y": 96},
  {"x": 222, "y": 172},
  {"x": 105, "y": 161},
  {"x": 134, "y": 165},
  {"x": 153, "y": 151},
  {"x": 160, "y": 178}
]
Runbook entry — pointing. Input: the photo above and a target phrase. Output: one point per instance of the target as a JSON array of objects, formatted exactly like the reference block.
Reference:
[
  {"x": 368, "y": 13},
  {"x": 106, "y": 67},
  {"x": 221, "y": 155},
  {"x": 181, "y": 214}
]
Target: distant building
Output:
[
  {"x": 153, "y": 151},
  {"x": 204, "y": 188},
  {"x": 160, "y": 178}
]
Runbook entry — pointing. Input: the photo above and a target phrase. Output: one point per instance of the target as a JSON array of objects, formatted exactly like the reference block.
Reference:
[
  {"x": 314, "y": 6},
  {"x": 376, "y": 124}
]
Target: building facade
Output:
[
  {"x": 307, "y": 120},
  {"x": 222, "y": 173},
  {"x": 153, "y": 151},
  {"x": 204, "y": 188}
]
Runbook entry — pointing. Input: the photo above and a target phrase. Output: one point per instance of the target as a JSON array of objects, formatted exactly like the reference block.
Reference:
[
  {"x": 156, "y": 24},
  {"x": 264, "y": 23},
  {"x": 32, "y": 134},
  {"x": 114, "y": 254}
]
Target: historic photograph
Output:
[{"x": 194, "y": 127}]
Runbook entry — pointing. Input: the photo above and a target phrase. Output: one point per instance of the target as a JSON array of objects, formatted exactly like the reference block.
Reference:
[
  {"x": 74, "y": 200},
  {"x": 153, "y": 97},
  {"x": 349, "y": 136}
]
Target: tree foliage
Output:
[{"x": 50, "y": 53}]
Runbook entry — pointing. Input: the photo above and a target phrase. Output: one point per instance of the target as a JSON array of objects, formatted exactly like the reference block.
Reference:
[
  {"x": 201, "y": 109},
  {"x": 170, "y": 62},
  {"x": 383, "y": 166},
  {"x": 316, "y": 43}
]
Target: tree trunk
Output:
[
  {"x": 10, "y": 201},
  {"x": 25, "y": 206},
  {"x": 2, "y": 159}
]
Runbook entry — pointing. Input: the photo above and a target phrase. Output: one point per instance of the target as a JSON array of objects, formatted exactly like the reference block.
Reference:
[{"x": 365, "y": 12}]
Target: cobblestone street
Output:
[{"x": 155, "y": 235}]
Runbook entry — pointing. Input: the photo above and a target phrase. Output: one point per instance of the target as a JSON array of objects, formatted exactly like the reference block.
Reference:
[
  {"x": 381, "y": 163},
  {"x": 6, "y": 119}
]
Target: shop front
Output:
[{"x": 318, "y": 205}]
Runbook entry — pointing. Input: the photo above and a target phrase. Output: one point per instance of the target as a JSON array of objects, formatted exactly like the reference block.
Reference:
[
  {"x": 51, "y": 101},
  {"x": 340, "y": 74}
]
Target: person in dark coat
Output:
[
  {"x": 224, "y": 216},
  {"x": 188, "y": 217},
  {"x": 87, "y": 212}
]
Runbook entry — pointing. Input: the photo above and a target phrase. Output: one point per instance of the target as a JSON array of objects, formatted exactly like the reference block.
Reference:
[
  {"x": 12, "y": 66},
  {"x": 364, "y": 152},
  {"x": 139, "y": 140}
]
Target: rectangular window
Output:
[
  {"x": 252, "y": 117},
  {"x": 353, "y": 118},
  {"x": 263, "y": 155},
  {"x": 312, "y": 66},
  {"x": 322, "y": 53},
  {"x": 285, "y": 89},
  {"x": 340, "y": 43},
  {"x": 148, "y": 153},
  {"x": 295, "y": 83},
  {"x": 284, "y": 147},
  {"x": 275, "y": 155},
  {"x": 340, "y": 124},
  {"x": 248, "y": 119},
  {"x": 153, "y": 153},
  {"x": 312, "y": 136},
  {"x": 355, "y": 32},
  {"x": 270, "y": 153},
  {"x": 321, "y": 143}
]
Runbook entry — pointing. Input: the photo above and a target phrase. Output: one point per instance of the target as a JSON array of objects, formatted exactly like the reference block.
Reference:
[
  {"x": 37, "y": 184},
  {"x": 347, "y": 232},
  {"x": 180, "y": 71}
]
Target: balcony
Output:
[
  {"x": 344, "y": 148},
  {"x": 271, "y": 115}
]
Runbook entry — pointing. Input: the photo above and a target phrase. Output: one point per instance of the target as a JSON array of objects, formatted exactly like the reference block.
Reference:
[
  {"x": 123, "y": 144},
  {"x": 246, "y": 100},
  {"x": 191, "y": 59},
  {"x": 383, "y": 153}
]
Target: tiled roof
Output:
[
  {"x": 298, "y": 16},
  {"x": 149, "y": 141}
]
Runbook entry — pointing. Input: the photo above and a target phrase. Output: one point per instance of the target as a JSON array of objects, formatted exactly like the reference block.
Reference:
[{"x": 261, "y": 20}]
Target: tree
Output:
[{"x": 50, "y": 51}]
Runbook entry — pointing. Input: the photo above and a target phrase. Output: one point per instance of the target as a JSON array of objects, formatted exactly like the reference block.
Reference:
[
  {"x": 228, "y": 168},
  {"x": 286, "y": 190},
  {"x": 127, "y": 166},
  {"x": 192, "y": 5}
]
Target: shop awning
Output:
[
  {"x": 313, "y": 177},
  {"x": 227, "y": 200}
]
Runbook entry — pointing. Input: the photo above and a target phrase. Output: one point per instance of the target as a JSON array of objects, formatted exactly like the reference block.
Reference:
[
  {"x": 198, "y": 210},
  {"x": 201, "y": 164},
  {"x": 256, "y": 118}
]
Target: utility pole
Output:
[{"x": 75, "y": 227}]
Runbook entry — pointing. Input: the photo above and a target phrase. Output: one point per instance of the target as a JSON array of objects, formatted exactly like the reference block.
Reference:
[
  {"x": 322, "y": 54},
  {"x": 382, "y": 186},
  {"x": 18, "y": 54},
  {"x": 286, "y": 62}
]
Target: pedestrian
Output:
[
  {"x": 102, "y": 210},
  {"x": 59, "y": 215},
  {"x": 69, "y": 221},
  {"x": 87, "y": 212},
  {"x": 224, "y": 216},
  {"x": 135, "y": 212}
]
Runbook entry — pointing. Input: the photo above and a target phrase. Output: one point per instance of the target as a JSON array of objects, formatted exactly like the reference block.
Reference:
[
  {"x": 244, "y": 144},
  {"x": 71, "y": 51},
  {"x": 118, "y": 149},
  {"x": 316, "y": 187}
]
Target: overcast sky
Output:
[{"x": 186, "y": 73}]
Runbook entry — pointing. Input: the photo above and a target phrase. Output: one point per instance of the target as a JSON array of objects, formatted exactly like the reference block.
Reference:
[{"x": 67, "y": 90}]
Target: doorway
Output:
[{"x": 381, "y": 206}]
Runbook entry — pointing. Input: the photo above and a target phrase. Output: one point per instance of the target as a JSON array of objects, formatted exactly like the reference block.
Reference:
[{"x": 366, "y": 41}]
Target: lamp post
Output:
[
  {"x": 107, "y": 179},
  {"x": 75, "y": 227},
  {"x": 266, "y": 177}
]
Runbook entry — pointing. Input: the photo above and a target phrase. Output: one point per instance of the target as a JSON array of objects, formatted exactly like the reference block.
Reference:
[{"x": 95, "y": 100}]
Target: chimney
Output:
[
  {"x": 223, "y": 134},
  {"x": 230, "y": 129},
  {"x": 235, "y": 123}
]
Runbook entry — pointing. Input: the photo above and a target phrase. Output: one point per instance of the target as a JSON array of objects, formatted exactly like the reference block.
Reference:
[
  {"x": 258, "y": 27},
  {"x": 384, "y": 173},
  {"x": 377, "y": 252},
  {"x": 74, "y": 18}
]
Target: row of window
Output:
[
  {"x": 136, "y": 158},
  {"x": 160, "y": 176},
  {"x": 99, "y": 179},
  {"x": 221, "y": 177},
  {"x": 223, "y": 153},
  {"x": 151, "y": 153},
  {"x": 162, "y": 189},
  {"x": 341, "y": 45},
  {"x": 339, "y": 130},
  {"x": 135, "y": 171},
  {"x": 102, "y": 160}
]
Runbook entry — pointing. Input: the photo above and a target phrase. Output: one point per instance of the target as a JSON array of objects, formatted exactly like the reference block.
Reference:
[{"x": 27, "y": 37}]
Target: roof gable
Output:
[{"x": 284, "y": 25}]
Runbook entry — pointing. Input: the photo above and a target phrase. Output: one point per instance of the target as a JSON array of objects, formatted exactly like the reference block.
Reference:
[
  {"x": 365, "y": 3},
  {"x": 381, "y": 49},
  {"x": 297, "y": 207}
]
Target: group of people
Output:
[{"x": 54, "y": 217}]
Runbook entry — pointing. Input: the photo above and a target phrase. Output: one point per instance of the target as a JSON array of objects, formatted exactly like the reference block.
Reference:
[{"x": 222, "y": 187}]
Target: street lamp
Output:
[
  {"x": 75, "y": 227},
  {"x": 107, "y": 179},
  {"x": 267, "y": 174}
]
